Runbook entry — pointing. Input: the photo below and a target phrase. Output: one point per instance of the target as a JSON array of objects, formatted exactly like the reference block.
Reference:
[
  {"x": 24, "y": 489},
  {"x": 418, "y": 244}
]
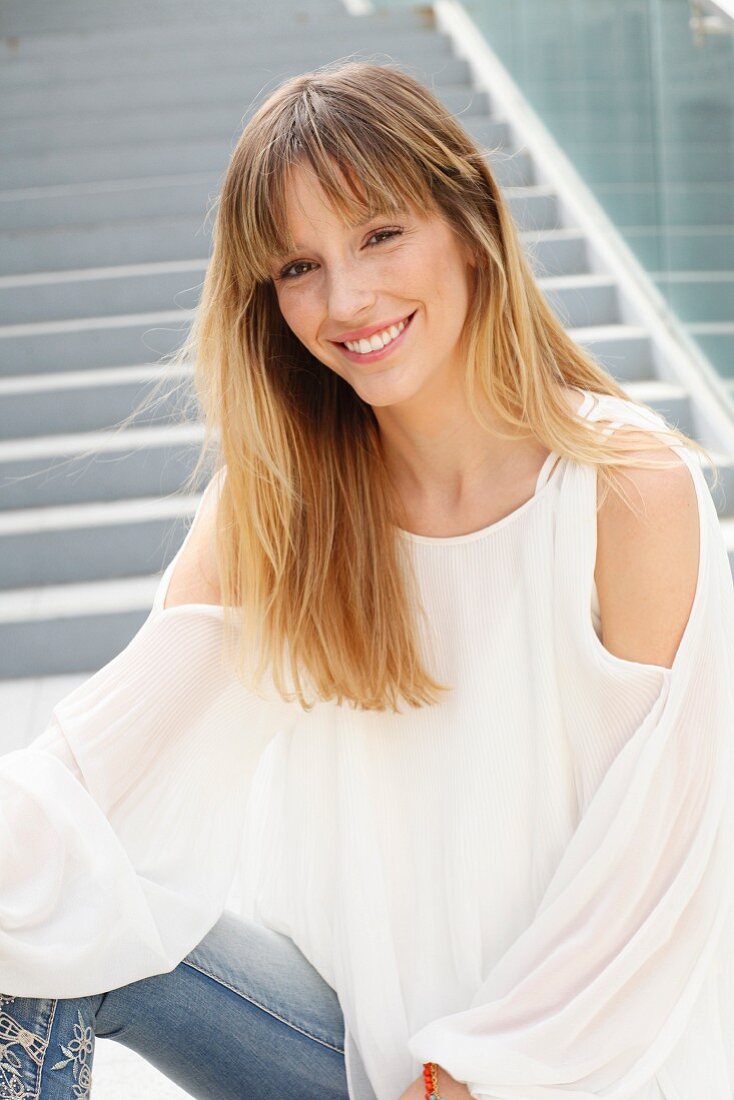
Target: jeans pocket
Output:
[{"x": 25, "y": 1027}]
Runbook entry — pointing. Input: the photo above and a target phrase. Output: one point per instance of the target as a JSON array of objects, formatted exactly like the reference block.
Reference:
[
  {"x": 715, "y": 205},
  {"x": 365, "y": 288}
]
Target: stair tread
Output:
[
  {"x": 53, "y": 446},
  {"x": 655, "y": 389},
  {"x": 619, "y": 329},
  {"x": 95, "y": 274},
  {"x": 84, "y": 324},
  {"x": 81, "y": 598},
  {"x": 99, "y": 513},
  {"x": 581, "y": 279},
  {"x": 86, "y": 379}
]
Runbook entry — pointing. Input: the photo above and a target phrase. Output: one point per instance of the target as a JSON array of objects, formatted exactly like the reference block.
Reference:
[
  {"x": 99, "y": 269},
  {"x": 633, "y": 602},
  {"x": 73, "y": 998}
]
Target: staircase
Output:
[{"x": 116, "y": 124}]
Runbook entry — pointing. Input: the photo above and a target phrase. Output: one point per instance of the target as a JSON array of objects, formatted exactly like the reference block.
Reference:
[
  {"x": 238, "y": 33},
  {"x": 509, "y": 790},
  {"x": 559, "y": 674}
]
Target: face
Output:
[{"x": 383, "y": 275}]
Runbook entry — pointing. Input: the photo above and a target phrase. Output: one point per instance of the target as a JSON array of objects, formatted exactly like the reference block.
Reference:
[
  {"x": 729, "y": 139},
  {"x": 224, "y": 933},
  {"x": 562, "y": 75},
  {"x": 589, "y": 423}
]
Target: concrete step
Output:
[
  {"x": 78, "y": 543},
  {"x": 626, "y": 351},
  {"x": 100, "y": 292},
  {"x": 668, "y": 398},
  {"x": 90, "y": 342},
  {"x": 160, "y": 90},
  {"x": 105, "y": 244},
  {"x": 84, "y": 467},
  {"x": 582, "y": 301},
  {"x": 554, "y": 252},
  {"x": 19, "y": 136},
  {"x": 95, "y": 400},
  {"x": 59, "y": 629},
  {"x": 180, "y": 237}
]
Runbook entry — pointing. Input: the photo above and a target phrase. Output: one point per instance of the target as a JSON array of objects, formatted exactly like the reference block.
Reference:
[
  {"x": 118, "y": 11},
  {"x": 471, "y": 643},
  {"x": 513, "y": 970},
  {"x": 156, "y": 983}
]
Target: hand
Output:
[{"x": 448, "y": 1087}]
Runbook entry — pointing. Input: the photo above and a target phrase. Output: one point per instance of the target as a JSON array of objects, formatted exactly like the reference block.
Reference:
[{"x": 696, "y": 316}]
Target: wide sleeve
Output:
[
  {"x": 593, "y": 995},
  {"x": 122, "y": 822}
]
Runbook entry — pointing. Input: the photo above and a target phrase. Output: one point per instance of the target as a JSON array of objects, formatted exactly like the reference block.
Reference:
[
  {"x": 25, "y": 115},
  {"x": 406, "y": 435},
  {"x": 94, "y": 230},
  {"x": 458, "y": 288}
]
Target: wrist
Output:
[
  {"x": 430, "y": 1080},
  {"x": 440, "y": 1085}
]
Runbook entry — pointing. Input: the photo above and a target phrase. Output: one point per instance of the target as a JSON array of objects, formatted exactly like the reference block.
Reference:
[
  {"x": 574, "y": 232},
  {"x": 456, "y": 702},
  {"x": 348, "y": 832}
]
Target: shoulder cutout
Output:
[
  {"x": 194, "y": 579},
  {"x": 647, "y": 562}
]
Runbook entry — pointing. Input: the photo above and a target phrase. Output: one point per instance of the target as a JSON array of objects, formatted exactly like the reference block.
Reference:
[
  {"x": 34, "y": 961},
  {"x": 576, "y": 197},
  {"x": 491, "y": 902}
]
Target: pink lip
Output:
[
  {"x": 381, "y": 353},
  {"x": 365, "y": 333}
]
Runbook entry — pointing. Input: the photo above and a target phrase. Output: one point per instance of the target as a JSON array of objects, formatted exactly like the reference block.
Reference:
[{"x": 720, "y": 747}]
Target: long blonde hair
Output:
[{"x": 309, "y": 563}]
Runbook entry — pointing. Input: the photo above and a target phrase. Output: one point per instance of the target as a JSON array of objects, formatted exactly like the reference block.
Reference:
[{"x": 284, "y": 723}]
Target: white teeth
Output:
[{"x": 378, "y": 341}]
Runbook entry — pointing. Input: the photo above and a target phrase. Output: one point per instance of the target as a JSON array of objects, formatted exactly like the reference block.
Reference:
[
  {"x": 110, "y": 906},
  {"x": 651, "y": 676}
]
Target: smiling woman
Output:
[{"x": 466, "y": 776}]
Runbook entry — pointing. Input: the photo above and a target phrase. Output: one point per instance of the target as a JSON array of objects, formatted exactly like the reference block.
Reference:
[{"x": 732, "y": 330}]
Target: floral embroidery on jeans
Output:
[
  {"x": 15, "y": 1082},
  {"x": 77, "y": 1050},
  {"x": 11, "y": 1082}
]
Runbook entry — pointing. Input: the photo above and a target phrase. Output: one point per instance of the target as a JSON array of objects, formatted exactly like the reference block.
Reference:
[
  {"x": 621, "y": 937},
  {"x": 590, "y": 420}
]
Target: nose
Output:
[{"x": 350, "y": 296}]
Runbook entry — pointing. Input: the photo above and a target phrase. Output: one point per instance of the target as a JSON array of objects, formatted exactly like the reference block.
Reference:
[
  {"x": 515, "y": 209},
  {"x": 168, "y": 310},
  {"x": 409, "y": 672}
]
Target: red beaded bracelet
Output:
[{"x": 430, "y": 1076}]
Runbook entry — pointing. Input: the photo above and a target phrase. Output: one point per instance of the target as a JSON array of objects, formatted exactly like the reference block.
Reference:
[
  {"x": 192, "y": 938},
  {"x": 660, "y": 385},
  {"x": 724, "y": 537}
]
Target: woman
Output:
[{"x": 470, "y": 812}]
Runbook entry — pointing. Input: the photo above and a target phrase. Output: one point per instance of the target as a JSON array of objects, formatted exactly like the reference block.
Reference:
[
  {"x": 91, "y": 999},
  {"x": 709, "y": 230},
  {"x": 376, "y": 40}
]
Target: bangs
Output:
[{"x": 365, "y": 168}]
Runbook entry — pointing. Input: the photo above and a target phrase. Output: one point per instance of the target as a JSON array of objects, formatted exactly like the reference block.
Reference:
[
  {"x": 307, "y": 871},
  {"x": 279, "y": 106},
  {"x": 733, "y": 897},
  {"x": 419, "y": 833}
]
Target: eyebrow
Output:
[{"x": 280, "y": 256}]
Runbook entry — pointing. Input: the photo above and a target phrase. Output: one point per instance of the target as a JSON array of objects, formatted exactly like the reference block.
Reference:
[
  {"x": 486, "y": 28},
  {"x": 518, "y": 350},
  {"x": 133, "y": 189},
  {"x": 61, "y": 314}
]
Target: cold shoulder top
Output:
[{"x": 529, "y": 882}]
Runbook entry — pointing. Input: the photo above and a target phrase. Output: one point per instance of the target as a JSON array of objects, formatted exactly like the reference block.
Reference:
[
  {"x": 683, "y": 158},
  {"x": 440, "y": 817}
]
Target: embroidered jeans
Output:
[{"x": 244, "y": 1015}]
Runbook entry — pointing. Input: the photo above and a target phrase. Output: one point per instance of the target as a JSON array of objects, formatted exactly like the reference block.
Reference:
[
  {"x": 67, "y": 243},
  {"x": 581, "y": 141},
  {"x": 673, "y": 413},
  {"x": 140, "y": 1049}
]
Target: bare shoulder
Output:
[
  {"x": 195, "y": 576},
  {"x": 647, "y": 558}
]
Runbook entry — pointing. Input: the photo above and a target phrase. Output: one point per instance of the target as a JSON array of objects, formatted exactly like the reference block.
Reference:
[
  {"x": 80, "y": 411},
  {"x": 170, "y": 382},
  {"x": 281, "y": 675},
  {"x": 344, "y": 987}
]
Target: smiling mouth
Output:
[{"x": 405, "y": 322}]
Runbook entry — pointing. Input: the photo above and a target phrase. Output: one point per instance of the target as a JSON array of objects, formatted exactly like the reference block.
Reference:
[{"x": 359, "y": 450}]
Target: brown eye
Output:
[
  {"x": 284, "y": 273},
  {"x": 389, "y": 232}
]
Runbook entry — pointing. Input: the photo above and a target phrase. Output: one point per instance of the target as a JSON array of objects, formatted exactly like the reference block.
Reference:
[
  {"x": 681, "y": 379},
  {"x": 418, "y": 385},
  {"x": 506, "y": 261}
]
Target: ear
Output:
[{"x": 470, "y": 256}]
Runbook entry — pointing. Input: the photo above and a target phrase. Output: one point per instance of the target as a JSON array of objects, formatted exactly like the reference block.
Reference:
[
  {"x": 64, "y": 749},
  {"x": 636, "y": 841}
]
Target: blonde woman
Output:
[{"x": 458, "y": 797}]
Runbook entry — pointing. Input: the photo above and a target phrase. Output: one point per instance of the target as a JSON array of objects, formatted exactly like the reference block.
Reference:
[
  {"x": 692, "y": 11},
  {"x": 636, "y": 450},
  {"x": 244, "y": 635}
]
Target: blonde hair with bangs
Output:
[{"x": 311, "y": 570}]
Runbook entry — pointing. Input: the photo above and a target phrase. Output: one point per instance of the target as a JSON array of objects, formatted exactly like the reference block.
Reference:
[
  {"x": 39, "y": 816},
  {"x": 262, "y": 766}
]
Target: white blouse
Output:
[{"x": 529, "y": 883}]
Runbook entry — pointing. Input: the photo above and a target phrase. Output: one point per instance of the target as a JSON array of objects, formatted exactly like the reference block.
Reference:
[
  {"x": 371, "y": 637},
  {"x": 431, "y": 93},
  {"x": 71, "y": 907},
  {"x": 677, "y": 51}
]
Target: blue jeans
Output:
[{"x": 243, "y": 1017}]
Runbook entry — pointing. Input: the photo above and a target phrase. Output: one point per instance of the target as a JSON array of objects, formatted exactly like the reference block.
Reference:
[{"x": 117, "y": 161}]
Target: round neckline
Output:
[{"x": 472, "y": 536}]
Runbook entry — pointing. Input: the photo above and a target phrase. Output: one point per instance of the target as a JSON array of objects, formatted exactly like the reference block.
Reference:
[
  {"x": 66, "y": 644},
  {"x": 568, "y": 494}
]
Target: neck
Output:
[{"x": 441, "y": 455}]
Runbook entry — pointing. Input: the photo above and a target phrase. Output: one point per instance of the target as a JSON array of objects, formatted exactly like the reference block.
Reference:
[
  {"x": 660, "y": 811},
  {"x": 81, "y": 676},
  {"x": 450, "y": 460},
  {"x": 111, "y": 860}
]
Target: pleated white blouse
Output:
[{"x": 529, "y": 883}]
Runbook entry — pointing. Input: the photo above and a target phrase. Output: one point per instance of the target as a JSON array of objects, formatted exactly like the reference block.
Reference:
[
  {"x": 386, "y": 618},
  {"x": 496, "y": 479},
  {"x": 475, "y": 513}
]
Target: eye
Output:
[
  {"x": 286, "y": 273},
  {"x": 390, "y": 233},
  {"x": 385, "y": 234}
]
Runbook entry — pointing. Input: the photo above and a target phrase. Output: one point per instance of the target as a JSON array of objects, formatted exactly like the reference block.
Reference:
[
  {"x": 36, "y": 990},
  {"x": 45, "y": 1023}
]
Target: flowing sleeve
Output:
[
  {"x": 593, "y": 995},
  {"x": 122, "y": 822}
]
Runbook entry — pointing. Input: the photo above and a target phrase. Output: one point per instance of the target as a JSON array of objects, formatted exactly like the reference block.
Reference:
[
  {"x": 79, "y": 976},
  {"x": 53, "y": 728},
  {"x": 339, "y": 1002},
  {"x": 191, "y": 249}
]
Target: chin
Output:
[{"x": 382, "y": 397}]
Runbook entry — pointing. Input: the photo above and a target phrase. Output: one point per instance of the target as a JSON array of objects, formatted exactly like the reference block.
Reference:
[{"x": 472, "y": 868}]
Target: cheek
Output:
[
  {"x": 298, "y": 317},
  {"x": 453, "y": 287}
]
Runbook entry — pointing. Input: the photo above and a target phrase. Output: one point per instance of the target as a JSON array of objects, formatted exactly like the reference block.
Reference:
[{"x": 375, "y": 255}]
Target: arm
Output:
[
  {"x": 591, "y": 999},
  {"x": 647, "y": 566},
  {"x": 193, "y": 572},
  {"x": 122, "y": 822}
]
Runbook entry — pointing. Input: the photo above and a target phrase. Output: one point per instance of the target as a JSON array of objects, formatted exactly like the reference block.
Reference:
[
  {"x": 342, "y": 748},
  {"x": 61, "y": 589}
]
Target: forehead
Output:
[
  {"x": 306, "y": 206},
  {"x": 306, "y": 200}
]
